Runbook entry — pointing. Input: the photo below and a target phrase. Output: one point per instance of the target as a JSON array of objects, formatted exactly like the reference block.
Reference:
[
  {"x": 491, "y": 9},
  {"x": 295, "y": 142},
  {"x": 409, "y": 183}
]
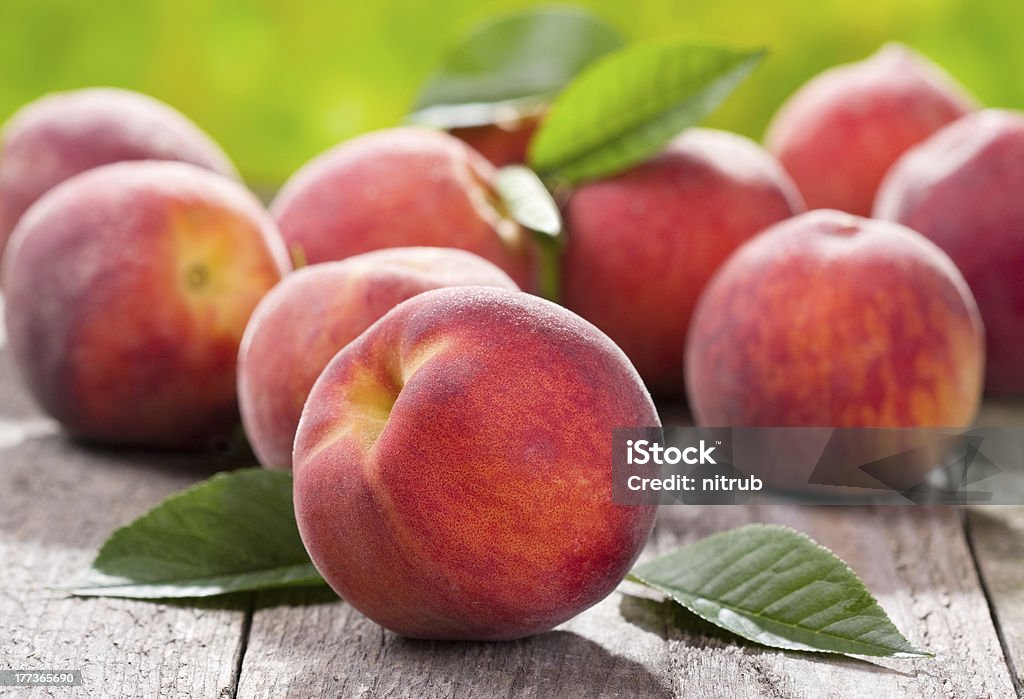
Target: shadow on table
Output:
[
  {"x": 553, "y": 664},
  {"x": 295, "y": 597},
  {"x": 57, "y": 490},
  {"x": 557, "y": 663},
  {"x": 220, "y": 454}
]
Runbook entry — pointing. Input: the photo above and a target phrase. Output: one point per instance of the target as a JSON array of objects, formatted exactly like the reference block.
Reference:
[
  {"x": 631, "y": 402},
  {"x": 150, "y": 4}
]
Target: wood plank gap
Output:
[
  {"x": 243, "y": 645},
  {"x": 990, "y": 602}
]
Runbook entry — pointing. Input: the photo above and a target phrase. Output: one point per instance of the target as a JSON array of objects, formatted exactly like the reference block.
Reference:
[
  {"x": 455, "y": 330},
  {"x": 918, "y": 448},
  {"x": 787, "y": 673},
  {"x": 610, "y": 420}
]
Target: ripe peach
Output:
[
  {"x": 128, "y": 288},
  {"x": 397, "y": 188},
  {"x": 65, "y": 133},
  {"x": 962, "y": 189},
  {"x": 453, "y": 466},
  {"x": 502, "y": 143},
  {"x": 829, "y": 319},
  {"x": 641, "y": 245},
  {"x": 842, "y": 130},
  {"x": 303, "y": 322}
]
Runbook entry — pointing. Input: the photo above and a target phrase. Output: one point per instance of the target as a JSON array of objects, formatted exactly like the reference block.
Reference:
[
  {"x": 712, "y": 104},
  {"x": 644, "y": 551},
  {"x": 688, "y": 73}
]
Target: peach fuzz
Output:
[
  {"x": 453, "y": 467},
  {"x": 65, "y": 133},
  {"x": 829, "y": 319},
  {"x": 642, "y": 244},
  {"x": 313, "y": 313},
  {"x": 128, "y": 288},
  {"x": 963, "y": 189},
  {"x": 839, "y": 133},
  {"x": 398, "y": 188}
]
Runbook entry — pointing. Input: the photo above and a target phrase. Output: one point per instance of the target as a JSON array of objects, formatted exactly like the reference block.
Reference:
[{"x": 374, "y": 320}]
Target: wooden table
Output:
[{"x": 952, "y": 580}]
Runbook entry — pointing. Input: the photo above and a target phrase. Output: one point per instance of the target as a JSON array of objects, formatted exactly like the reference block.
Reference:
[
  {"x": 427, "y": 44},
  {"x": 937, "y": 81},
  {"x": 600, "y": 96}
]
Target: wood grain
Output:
[
  {"x": 915, "y": 559},
  {"x": 997, "y": 536},
  {"x": 58, "y": 502}
]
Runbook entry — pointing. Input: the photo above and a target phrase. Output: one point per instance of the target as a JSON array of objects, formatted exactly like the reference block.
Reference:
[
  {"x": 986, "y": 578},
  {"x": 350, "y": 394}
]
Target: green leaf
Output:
[
  {"x": 777, "y": 587},
  {"x": 528, "y": 202},
  {"x": 231, "y": 533},
  {"x": 627, "y": 106},
  {"x": 512, "y": 66}
]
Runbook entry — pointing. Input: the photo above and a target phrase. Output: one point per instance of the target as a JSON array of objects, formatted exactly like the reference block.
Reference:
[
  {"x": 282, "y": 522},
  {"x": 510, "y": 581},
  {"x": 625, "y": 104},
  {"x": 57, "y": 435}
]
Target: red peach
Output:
[
  {"x": 829, "y": 319},
  {"x": 128, "y": 288},
  {"x": 841, "y": 131},
  {"x": 303, "y": 322},
  {"x": 66, "y": 133},
  {"x": 962, "y": 188},
  {"x": 502, "y": 143},
  {"x": 397, "y": 188},
  {"x": 641, "y": 245},
  {"x": 453, "y": 467}
]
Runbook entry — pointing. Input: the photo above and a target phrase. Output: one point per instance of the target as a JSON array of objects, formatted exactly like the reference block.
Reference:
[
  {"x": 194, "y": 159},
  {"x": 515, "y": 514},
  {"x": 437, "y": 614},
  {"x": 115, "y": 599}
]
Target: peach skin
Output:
[
  {"x": 398, "y": 188},
  {"x": 453, "y": 467},
  {"x": 128, "y": 288},
  {"x": 642, "y": 244},
  {"x": 962, "y": 189},
  {"x": 839, "y": 133},
  {"x": 502, "y": 143},
  {"x": 66, "y": 133},
  {"x": 303, "y": 322},
  {"x": 829, "y": 319}
]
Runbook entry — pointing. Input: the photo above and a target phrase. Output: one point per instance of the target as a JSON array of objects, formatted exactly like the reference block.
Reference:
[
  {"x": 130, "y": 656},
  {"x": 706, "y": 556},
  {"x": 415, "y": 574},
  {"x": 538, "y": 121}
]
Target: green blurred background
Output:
[{"x": 278, "y": 81}]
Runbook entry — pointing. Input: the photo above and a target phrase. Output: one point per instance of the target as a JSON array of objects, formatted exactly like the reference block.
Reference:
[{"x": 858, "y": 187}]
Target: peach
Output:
[
  {"x": 962, "y": 189},
  {"x": 830, "y": 319},
  {"x": 642, "y": 244},
  {"x": 453, "y": 467},
  {"x": 65, "y": 133},
  {"x": 502, "y": 143},
  {"x": 128, "y": 288},
  {"x": 839, "y": 133},
  {"x": 397, "y": 188},
  {"x": 303, "y": 322}
]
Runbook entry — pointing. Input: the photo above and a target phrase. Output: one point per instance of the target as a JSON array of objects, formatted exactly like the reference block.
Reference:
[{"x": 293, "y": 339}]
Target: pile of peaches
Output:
[{"x": 450, "y": 432}]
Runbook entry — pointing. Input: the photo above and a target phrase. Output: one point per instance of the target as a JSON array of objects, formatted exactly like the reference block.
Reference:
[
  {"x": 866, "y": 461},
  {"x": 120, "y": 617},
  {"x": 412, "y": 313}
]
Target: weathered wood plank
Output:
[
  {"x": 58, "y": 501},
  {"x": 914, "y": 559},
  {"x": 997, "y": 538}
]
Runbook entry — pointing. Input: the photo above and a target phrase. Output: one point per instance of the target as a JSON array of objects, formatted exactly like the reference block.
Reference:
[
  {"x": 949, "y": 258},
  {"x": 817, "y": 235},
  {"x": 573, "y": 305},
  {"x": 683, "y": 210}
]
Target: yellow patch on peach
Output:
[
  {"x": 214, "y": 266},
  {"x": 368, "y": 403},
  {"x": 369, "y": 398}
]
